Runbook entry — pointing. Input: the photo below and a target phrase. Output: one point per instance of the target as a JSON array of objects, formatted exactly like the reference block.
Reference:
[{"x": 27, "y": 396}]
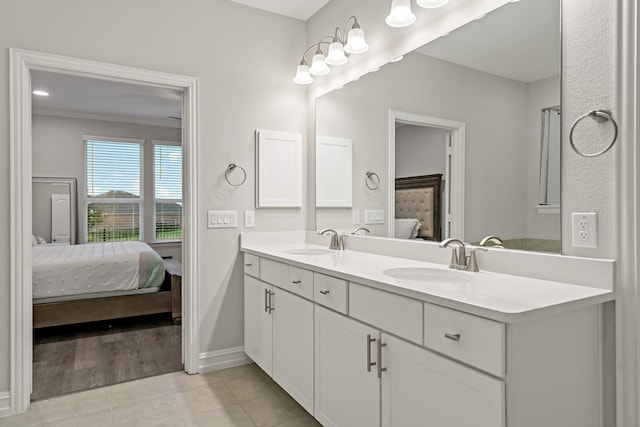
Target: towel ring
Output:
[
  {"x": 373, "y": 177},
  {"x": 601, "y": 115},
  {"x": 231, "y": 168}
]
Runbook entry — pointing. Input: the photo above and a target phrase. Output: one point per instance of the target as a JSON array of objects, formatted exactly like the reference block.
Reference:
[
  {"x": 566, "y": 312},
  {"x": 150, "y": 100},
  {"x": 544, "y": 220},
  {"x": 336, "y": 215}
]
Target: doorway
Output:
[
  {"x": 451, "y": 164},
  {"x": 22, "y": 64}
]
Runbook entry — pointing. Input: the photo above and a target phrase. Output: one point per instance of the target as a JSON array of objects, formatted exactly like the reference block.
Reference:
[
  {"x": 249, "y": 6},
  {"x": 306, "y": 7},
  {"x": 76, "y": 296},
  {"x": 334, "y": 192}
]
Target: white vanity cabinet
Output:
[
  {"x": 355, "y": 355},
  {"x": 278, "y": 333},
  {"x": 347, "y": 388}
]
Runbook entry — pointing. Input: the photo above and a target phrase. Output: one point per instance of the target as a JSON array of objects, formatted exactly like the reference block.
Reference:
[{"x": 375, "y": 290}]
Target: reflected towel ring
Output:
[
  {"x": 374, "y": 178},
  {"x": 231, "y": 168},
  {"x": 600, "y": 115}
]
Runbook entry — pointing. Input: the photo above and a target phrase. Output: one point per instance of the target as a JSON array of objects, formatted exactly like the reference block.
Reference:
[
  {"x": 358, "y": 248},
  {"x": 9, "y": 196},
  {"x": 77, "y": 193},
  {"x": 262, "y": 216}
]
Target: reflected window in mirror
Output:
[{"x": 549, "y": 190}]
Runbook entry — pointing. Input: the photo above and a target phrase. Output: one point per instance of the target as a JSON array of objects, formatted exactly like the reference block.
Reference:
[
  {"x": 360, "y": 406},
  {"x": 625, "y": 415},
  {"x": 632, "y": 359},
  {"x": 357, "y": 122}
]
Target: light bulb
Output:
[
  {"x": 336, "y": 54},
  {"x": 302, "y": 75},
  {"x": 319, "y": 65},
  {"x": 400, "y": 14},
  {"x": 431, "y": 4},
  {"x": 356, "y": 42}
]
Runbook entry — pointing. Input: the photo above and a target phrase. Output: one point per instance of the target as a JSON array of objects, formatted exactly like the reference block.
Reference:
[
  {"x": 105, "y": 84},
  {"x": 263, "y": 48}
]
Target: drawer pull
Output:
[
  {"x": 380, "y": 368},
  {"x": 296, "y": 282},
  {"x": 370, "y": 339},
  {"x": 325, "y": 292},
  {"x": 248, "y": 265},
  {"x": 452, "y": 337}
]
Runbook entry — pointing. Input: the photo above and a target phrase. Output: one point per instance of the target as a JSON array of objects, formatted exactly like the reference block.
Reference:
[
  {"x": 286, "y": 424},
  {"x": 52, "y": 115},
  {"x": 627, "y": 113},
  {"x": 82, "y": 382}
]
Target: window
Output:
[
  {"x": 113, "y": 196},
  {"x": 167, "y": 190}
]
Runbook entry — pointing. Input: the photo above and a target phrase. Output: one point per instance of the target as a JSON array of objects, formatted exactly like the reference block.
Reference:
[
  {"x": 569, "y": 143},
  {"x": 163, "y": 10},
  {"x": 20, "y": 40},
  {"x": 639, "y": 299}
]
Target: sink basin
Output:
[
  {"x": 425, "y": 274},
  {"x": 309, "y": 251}
]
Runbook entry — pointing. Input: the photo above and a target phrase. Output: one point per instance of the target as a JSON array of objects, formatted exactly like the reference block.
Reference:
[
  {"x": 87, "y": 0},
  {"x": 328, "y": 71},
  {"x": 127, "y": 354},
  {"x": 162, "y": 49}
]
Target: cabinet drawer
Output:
[
  {"x": 465, "y": 337},
  {"x": 252, "y": 265},
  {"x": 301, "y": 282},
  {"x": 330, "y": 292},
  {"x": 274, "y": 272},
  {"x": 396, "y": 314}
]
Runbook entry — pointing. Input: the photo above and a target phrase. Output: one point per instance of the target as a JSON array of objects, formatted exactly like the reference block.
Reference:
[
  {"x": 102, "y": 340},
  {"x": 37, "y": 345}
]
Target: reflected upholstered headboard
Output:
[{"x": 419, "y": 197}]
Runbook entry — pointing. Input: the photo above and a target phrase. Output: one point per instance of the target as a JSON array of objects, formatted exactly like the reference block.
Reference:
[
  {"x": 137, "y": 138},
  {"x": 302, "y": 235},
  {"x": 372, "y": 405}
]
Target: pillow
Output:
[
  {"x": 34, "y": 242},
  {"x": 406, "y": 228},
  {"x": 41, "y": 241}
]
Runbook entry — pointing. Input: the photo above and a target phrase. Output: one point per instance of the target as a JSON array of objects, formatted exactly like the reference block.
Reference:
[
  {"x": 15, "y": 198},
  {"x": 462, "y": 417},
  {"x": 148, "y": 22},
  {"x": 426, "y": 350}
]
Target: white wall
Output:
[
  {"x": 493, "y": 108},
  {"x": 420, "y": 150},
  {"x": 243, "y": 58}
]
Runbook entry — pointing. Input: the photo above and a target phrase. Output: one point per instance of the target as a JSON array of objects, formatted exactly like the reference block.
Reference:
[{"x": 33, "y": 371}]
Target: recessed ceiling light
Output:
[
  {"x": 41, "y": 92},
  {"x": 375, "y": 69},
  {"x": 399, "y": 58}
]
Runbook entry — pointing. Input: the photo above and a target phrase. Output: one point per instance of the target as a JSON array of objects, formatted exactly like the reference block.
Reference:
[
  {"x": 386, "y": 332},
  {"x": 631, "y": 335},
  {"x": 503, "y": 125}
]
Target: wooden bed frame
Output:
[
  {"x": 167, "y": 300},
  {"x": 425, "y": 182}
]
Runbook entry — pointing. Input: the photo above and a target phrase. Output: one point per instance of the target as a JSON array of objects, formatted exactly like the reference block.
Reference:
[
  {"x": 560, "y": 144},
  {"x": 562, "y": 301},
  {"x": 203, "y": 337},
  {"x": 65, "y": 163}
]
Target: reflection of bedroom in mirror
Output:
[
  {"x": 478, "y": 75},
  {"x": 107, "y": 244}
]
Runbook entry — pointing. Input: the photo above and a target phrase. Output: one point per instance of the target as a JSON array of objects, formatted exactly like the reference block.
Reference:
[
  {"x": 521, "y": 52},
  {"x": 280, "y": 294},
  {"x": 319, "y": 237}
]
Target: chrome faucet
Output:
[
  {"x": 497, "y": 242},
  {"x": 458, "y": 254},
  {"x": 355, "y": 230},
  {"x": 336, "y": 239},
  {"x": 459, "y": 259}
]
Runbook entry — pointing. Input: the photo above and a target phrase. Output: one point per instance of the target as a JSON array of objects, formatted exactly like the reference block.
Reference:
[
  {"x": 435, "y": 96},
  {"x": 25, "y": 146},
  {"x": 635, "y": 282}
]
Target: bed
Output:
[
  {"x": 418, "y": 207},
  {"x": 100, "y": 281}
]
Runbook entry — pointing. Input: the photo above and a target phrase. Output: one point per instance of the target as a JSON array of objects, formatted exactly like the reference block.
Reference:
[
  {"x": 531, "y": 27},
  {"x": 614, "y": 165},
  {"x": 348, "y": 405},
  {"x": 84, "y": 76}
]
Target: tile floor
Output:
[{"x": 234, "y": 397}]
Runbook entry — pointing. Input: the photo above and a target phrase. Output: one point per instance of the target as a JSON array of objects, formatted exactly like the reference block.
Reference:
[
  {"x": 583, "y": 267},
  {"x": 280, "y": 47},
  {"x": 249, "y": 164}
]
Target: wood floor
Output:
[{"x": 67, "y": 359}]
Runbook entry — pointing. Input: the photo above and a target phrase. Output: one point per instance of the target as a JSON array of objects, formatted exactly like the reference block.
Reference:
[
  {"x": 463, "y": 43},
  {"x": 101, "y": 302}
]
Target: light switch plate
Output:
[
  {"x": 249, "y": 219},
  {"x": 222, "y": 219},
  {"x": 355, "y": 217},
  {"x": 374, "y": 216}
]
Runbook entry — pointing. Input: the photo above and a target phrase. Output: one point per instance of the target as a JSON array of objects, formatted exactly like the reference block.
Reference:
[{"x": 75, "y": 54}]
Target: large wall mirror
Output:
[{"x": 467, "y": 110}]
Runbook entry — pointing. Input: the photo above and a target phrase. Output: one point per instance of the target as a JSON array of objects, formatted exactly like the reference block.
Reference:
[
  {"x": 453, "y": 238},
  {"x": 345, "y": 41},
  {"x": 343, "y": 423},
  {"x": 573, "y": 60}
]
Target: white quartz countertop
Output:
[{"x": 502, "y": 297}]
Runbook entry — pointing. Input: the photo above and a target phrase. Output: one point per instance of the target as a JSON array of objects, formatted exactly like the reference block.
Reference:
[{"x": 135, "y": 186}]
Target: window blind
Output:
[{"x": 167, "y": 189}]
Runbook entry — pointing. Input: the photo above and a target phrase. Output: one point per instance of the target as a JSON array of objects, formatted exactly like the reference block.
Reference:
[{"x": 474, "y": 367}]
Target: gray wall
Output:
[
  {"x": 420, "y": 150},
  {"x": 244, "y": 59}
]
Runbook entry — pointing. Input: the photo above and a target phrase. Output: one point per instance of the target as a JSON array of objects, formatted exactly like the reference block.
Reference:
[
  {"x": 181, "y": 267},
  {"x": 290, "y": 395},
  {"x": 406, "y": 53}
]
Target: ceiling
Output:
[
  {"x": 299, "y": 9},
  {"x": 108, "y": 100},
  {"x": 519, "y": 41}
]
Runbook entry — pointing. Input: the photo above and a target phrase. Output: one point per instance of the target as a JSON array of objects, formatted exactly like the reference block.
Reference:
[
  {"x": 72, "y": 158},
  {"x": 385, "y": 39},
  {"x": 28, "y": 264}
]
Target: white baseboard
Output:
[
  {"x": 221, "y": 359},
  {"x": 5, "y": 404}
]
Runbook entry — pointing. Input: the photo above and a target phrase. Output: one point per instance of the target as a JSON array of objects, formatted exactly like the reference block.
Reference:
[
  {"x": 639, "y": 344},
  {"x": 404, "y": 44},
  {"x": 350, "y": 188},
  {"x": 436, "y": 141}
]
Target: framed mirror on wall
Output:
[{"x": 495, "y": 75}]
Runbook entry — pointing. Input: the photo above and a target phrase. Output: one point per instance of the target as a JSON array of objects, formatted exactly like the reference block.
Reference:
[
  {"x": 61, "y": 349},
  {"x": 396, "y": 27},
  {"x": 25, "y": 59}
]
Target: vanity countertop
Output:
[{"x": 501, "y": 297}]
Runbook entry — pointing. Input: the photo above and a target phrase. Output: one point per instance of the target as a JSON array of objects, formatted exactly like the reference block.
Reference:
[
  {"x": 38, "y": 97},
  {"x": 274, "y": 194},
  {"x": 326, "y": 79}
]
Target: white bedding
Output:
[{"x": 94, "y": 268}]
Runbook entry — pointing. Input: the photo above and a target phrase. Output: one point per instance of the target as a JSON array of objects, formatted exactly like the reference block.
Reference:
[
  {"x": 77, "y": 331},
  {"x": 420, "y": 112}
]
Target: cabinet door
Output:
[
  {"x": 293, "y": 346},
  {"x": 420, "y": 388},
  {"x": 346, "y": 394},
  {"x": 257, "y": 322}
]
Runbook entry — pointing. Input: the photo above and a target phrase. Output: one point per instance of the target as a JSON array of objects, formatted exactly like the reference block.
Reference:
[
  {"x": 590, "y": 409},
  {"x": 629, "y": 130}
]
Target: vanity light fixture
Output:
[
  {"x": 338, "y": 52},
  {"x": 39, "y": 92},
  {"x": 401, "y": 15}
]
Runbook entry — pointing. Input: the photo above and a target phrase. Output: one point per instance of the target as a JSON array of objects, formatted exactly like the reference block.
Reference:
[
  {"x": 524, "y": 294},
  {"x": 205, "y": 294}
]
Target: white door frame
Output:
[
  {"x": 455, "y": 210},
  {"x": 21, "y": 63}
]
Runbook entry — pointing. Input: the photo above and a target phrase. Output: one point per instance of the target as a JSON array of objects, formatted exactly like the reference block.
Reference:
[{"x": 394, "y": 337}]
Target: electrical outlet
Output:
[{"x": 584, "y": 227}]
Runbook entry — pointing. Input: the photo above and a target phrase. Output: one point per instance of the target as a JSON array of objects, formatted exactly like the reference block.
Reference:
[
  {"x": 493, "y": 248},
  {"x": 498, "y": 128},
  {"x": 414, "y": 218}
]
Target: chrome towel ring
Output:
[
  {"x": 231, "y": 168},
  {"x": 372, "y": 181},
  {"x": 600, "y": 115}
]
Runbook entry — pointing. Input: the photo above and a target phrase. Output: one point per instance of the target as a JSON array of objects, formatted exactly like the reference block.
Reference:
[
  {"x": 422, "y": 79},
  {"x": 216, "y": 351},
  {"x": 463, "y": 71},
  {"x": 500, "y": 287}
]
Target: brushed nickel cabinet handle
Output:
[
  {"x": 266, "y": 300},
  {"x": 380, "y": 368},
  {"x": 325, "y": 292},
  {"x": 296, "y": 282},
  {"x": 271, "y": 308},
  {"x": 369, "y": 362},
  {"x": 452, "y": 337},
  {"x": 248, "y": 265}
]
